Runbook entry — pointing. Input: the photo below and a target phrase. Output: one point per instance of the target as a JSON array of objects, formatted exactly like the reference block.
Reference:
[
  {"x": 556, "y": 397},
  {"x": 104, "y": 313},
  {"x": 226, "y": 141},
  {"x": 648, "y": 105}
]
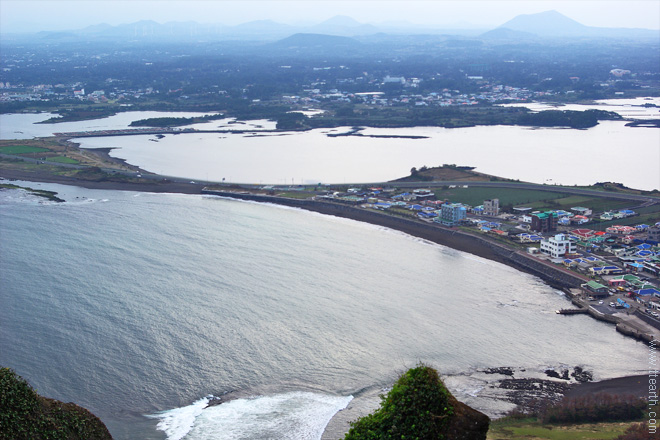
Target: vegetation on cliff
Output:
[
  {"x": 419, "y": 407},
  {"x": 25, "y": 415}
]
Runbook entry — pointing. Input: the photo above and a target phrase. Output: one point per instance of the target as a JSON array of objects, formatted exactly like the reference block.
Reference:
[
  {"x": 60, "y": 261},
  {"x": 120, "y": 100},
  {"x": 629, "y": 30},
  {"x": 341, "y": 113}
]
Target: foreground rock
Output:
[
  {"x": 25, "y": 415},
  {"x": 420, "y": 406}
]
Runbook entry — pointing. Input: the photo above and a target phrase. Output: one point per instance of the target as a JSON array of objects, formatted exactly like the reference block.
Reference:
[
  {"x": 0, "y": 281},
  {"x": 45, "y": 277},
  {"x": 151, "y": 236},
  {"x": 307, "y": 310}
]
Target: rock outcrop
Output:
[
  {"x": 420, "y": 406},
  {"x": 25, "y": 415}
]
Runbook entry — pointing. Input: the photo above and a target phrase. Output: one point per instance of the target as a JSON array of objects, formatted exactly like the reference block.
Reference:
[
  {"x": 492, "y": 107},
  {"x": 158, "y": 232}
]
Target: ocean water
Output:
[{"x": 140, "y": 306}]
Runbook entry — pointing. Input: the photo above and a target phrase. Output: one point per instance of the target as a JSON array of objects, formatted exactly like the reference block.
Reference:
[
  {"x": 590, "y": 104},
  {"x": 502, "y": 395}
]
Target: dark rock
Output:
[
  {"x": 582, "y": 375},
  {"x": 506, "y": 371},
  {"x": 531, "y": 394},
  {"x": 214, "y": 401},
  {"x": 466, "y": 423},
  {"x": 552, "y": 373}
]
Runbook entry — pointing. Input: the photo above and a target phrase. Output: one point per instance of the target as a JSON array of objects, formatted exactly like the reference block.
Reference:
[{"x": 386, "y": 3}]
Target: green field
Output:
[
  {"x": 475, "y": 196},
  {"x": 21, "y": 149},
  {"x": 63, "y": 159},
  {"x": 535, "y": 199}
]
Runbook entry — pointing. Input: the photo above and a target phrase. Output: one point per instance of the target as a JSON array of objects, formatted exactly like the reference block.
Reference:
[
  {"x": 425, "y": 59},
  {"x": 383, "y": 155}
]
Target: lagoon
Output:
[{"x": 609, "y": 151}]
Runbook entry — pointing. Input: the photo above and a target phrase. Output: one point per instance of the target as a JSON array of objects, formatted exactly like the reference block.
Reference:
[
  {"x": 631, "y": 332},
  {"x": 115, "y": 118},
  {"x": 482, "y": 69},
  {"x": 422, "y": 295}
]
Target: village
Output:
[{"x": 619, "y": 264}]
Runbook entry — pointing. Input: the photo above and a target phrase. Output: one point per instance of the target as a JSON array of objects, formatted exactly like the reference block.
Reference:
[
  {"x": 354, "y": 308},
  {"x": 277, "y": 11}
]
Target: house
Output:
[
  {"x": 558, "y": 246},
  {"x": 607, "y": 216},
  {"x": 617, "y": 282},
  {"x": 545, "y": 221},
  {"x": 423, "y": 193},
  {"x": 648, "y": 292},
  {"x": 529, "y": 238},
  {"x": 606, "y": 270},
  {"x": 583, "y": 234},
  {"x": 581, "y": 210},
  {"x": 595, "y": 289},
  {"x": 637, "y": 267},
  {"x": 579, "y": 219}
]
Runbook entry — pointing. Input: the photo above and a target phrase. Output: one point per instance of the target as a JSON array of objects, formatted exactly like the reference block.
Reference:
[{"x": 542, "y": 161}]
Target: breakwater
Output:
[{"x": 450, "y": 237}]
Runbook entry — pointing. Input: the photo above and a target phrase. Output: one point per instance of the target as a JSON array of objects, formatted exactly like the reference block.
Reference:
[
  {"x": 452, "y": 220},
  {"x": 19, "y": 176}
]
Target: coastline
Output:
[
  {"x": 453, "y": 238},
  {"x": 450, "y": 237}
]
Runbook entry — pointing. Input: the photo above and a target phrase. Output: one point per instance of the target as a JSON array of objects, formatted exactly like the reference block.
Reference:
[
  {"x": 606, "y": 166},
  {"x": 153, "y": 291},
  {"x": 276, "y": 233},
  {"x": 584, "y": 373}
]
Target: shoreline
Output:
[
  {"x": 452, "y": 238},
  {"x": 476, "y": 244}
]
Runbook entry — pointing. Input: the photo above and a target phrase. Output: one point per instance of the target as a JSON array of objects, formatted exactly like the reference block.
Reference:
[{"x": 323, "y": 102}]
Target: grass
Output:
[
  {"x": 506, "y": 429},
  {"x": 296, "y": 194},
  {"x": 63, "y": 159},
  {"x": 22, "y": 149},
  {"x": 475, "y": 196}
]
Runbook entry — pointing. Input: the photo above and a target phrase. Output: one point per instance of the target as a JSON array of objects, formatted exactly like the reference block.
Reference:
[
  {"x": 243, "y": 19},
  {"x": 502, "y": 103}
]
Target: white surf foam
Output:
[{"x": 294, "y": 415}]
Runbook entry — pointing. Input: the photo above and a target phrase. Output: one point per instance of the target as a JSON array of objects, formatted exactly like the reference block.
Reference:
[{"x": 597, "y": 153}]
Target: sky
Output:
[{"x": 40, "y": 15}]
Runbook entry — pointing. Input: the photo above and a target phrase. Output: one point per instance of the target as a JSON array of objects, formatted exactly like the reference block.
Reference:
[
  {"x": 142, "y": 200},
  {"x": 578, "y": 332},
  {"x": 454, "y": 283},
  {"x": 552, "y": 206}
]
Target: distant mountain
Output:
[
  {"x": 508, "y": 34},
  {"x": 315, "y": 44},
  {"x": 345, "y": 26},
  {"x": 342, "y": 21},
  {"x": 554, "y": 24},
  {"x": 549, "y": 24}
]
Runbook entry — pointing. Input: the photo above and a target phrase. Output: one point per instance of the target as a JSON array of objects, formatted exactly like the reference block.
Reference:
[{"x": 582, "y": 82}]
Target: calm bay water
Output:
[
  {"x": 136, "y": 304},
  {"x": 608, "y": 152}
]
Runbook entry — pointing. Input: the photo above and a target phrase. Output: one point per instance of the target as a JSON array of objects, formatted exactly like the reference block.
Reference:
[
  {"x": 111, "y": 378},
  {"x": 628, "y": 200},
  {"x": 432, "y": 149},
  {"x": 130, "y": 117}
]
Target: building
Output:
[
  {"x": 653, "y": 233},
  {"x": 492, "y": 207},
  {"x": 544, "y": 221},
  {"x": 595, "y": 289},
  {"x": 558, "y": 246},
  {"x": 452, "y": 214}
]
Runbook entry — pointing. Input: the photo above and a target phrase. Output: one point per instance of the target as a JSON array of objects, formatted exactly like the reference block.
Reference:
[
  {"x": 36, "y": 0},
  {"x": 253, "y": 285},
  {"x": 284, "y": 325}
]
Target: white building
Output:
[{"x": 558, "y": 246}]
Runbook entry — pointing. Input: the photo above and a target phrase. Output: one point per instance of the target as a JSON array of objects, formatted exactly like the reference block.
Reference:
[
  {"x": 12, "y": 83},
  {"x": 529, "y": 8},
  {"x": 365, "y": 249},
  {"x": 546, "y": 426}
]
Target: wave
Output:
[{"x": 294, "y": 415}]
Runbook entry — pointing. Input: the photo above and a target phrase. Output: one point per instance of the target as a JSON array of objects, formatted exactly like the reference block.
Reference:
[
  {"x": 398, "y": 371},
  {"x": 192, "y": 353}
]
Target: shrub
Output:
[{"x": 417, "y": 407}]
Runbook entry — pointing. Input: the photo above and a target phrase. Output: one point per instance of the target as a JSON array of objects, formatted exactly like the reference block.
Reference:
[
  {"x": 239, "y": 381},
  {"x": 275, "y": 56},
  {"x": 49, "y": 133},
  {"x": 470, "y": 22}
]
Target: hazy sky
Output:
[{"x": 37, "y": 15}]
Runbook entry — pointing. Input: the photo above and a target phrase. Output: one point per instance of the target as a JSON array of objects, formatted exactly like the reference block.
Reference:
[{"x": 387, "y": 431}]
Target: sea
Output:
[
  {"x": 141, "y": 307},
  {"x": 144, "y": 308}
]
